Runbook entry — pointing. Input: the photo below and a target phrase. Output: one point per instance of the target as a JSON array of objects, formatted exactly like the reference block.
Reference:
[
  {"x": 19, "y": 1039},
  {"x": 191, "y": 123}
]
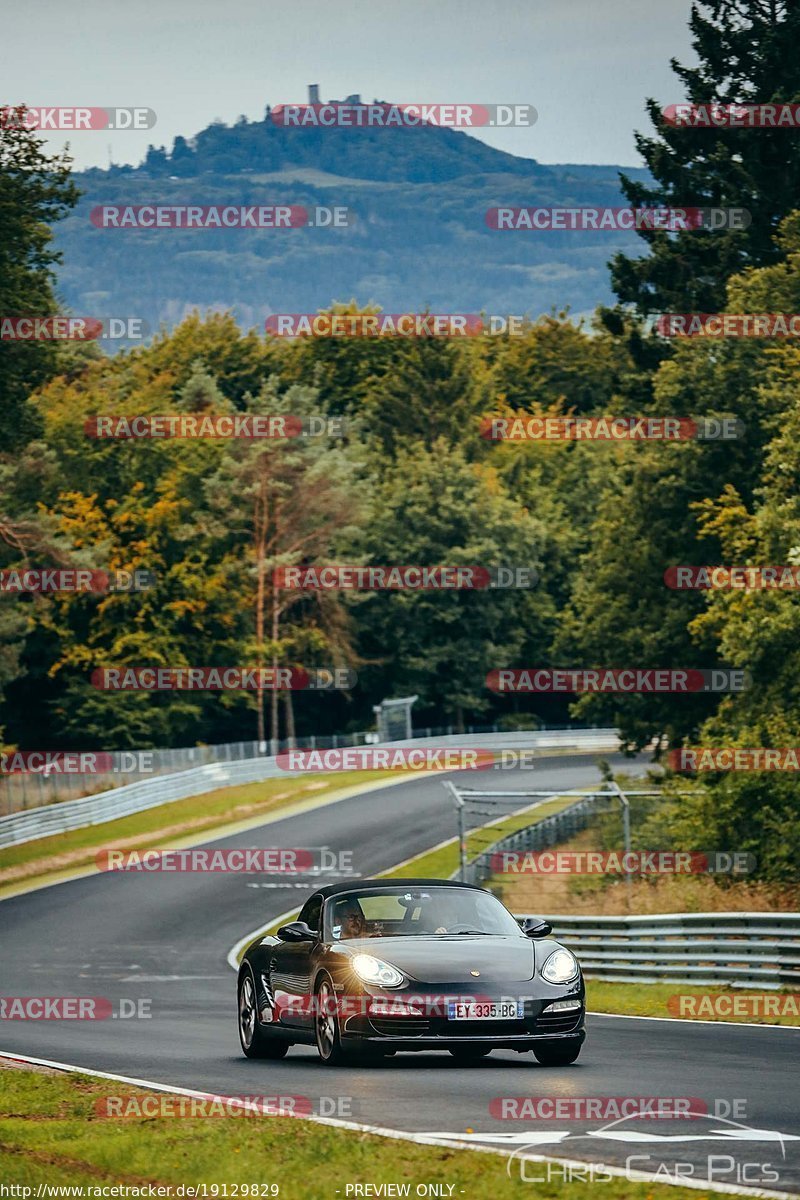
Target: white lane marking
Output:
[
  {"x": 219, "y": 833},
  {"x": 235, "y": 952},
  {"x": 455, "y": 1141},
  {"x": 527, "y": 1137},
  {"x": 692, "y": 1021},
  {"x": 243, "y": 943},
  {"x": 166, "y": 978}
]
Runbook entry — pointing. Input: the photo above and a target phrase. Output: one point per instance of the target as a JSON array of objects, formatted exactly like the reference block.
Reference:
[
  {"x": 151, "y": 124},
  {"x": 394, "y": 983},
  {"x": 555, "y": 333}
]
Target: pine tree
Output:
[
  {"x": 36, "y": 190},
  {"x": 748, "y": 54}
]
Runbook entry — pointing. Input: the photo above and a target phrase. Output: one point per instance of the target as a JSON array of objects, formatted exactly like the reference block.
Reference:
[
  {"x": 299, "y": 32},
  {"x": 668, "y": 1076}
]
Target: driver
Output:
[
  {"x": 352, "y": 920},
  {"x": 447, "y": 914},
  {"x": 453, "y": 913}
]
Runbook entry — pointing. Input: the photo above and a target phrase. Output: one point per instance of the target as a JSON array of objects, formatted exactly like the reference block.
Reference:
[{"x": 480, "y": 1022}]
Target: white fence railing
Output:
[
  {"x": 721, "y": 949},
  {"x": 136, "y": 797},
  {"x": 20, "y": 791}
]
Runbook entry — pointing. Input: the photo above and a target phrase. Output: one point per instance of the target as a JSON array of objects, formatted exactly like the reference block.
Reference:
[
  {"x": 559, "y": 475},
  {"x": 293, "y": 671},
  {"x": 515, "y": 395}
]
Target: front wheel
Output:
[
  {"x": 326, "y": 1026},
  {"x": 256, "y": 1043},
  {"x": 558, "y": 1054},
  {"x": 468, "y": 1054}
]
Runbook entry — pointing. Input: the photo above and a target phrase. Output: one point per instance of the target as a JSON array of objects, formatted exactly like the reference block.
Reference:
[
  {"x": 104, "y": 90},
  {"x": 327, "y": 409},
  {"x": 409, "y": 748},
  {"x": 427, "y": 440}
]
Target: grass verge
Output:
[
  {"x": 180, "y": 819},
  {"x": 442, "y": 861},
  {"x": 50, "y": 1134},
  {"x": 620, "y": 999},
  {"x": 652, "y": 1000}
]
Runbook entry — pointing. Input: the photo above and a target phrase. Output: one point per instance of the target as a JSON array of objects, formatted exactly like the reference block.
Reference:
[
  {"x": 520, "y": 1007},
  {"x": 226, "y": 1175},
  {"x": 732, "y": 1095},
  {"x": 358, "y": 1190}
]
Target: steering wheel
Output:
[{"x": 461, "y": 926}]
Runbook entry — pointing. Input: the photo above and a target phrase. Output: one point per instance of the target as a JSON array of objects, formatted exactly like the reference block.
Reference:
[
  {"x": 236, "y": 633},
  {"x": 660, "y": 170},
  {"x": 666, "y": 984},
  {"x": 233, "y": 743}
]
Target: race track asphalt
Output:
[{"x": 164, "y": 938}]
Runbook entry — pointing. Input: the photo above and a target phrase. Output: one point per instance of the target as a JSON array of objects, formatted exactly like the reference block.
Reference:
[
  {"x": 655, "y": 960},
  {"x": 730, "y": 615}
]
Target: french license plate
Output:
[{"x": 485, "y": 1010}]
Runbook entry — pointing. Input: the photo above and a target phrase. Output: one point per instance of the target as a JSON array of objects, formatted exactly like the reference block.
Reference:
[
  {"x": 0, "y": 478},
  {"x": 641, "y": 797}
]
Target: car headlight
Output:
[
  {"x": 560, "y": 967},
  {"x": 375, "y": 970}
]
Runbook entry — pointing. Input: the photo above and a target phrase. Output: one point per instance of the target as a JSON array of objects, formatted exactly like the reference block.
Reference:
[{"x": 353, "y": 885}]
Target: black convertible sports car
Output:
[{"x": 380, "y": 965}]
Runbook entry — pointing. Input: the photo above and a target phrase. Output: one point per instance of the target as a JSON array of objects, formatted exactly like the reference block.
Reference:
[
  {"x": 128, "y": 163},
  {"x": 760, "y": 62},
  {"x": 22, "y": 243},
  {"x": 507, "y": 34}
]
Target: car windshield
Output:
[{"x": 418, "y": 912}]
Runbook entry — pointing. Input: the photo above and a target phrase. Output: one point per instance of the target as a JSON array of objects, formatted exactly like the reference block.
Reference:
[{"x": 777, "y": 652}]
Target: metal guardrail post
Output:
[
  {"x": 755, "y": 950},
  {"x": 45, "y": 819},
  {"x": 626, "y": 837}
]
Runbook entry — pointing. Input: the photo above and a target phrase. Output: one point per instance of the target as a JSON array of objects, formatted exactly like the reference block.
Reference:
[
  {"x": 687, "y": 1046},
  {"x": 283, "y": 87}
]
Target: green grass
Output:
[
  {"x": 198, "y": 814},
  {"x": 50, "y": 1133},
  {"x": 441, "y": 862},
  {"x": 181, "y": 818},
  {"x": 652, "y": 999},
  {"x": 202, "y": 813},
  {"x": 622, "y": 999}
]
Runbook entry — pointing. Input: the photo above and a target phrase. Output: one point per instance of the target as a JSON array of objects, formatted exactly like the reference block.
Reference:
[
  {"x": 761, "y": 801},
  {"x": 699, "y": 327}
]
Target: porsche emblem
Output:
[{"x": 475, "y": 973}]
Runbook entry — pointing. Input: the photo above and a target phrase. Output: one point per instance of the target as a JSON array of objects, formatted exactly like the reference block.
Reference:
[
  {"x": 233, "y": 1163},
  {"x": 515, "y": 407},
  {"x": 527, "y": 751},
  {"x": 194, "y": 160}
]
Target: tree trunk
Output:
[
  {"x": 274, "y": 726},
  {"x": 289, "y": 717},
  {"x": 260, "y": 643},
  {"x": 260, "y": 516}
]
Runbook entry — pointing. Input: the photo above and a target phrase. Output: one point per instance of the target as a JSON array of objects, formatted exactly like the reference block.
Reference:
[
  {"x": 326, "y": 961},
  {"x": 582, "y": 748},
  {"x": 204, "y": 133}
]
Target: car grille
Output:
[
  {"x": 557, "y": 1022},
  {"x": 411, "y": 1027},
  {"x": 401, "y": 1026},
  {"x": 485, "y": 1029}
]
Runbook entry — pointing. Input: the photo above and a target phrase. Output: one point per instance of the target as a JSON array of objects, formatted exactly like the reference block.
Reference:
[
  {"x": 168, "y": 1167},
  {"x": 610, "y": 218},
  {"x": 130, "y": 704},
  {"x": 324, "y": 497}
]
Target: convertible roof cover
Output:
[{"x": 360, "y": 885}]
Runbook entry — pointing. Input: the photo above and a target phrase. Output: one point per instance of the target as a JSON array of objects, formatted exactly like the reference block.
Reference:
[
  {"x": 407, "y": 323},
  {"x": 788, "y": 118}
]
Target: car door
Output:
[{"x": 290, "y": 972}]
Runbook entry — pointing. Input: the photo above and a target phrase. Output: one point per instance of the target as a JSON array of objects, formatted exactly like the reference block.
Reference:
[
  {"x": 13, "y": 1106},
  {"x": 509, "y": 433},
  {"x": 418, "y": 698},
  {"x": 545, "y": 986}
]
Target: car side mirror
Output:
[
  {"x": 535, "y": 927},
  {"x": 296, "y": 931}
]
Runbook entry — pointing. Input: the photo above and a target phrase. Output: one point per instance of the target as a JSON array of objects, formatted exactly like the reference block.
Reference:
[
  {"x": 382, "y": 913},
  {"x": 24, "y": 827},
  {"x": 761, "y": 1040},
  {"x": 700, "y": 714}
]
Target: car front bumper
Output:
[{"x": 435, "y": 1028}]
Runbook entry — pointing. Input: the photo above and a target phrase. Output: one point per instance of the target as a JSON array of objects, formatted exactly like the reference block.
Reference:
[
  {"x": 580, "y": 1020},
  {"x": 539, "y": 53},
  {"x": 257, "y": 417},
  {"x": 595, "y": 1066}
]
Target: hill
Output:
[{"x": 418, "y": 238}]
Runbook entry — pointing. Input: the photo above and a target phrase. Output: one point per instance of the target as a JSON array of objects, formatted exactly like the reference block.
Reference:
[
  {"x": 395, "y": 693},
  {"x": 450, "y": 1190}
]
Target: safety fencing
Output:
[
  {"x": 721, "y": 949},
  {"x": 33, "y": 789},
  {"x": 136, "y": 797},
  {"x": 540, "y": 835}
]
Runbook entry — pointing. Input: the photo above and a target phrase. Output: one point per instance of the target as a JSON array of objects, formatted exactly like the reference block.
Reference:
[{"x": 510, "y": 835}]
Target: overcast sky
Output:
[{"x": 586, "y": 65}]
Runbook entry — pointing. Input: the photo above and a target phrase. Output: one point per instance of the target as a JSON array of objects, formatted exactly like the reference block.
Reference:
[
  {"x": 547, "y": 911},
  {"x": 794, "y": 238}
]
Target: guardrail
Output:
[
  {"x": 20, "y": 791},
  {"x": 540, "y": 835},
  {"x": 25, "y": 790},
  {"x": 721, "y": 949},
  {"x": 136, "y": 797}
]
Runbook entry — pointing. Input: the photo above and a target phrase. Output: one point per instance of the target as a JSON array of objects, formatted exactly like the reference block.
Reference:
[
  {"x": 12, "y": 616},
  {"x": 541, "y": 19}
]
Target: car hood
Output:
[{"x": 453, "y": 959}]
